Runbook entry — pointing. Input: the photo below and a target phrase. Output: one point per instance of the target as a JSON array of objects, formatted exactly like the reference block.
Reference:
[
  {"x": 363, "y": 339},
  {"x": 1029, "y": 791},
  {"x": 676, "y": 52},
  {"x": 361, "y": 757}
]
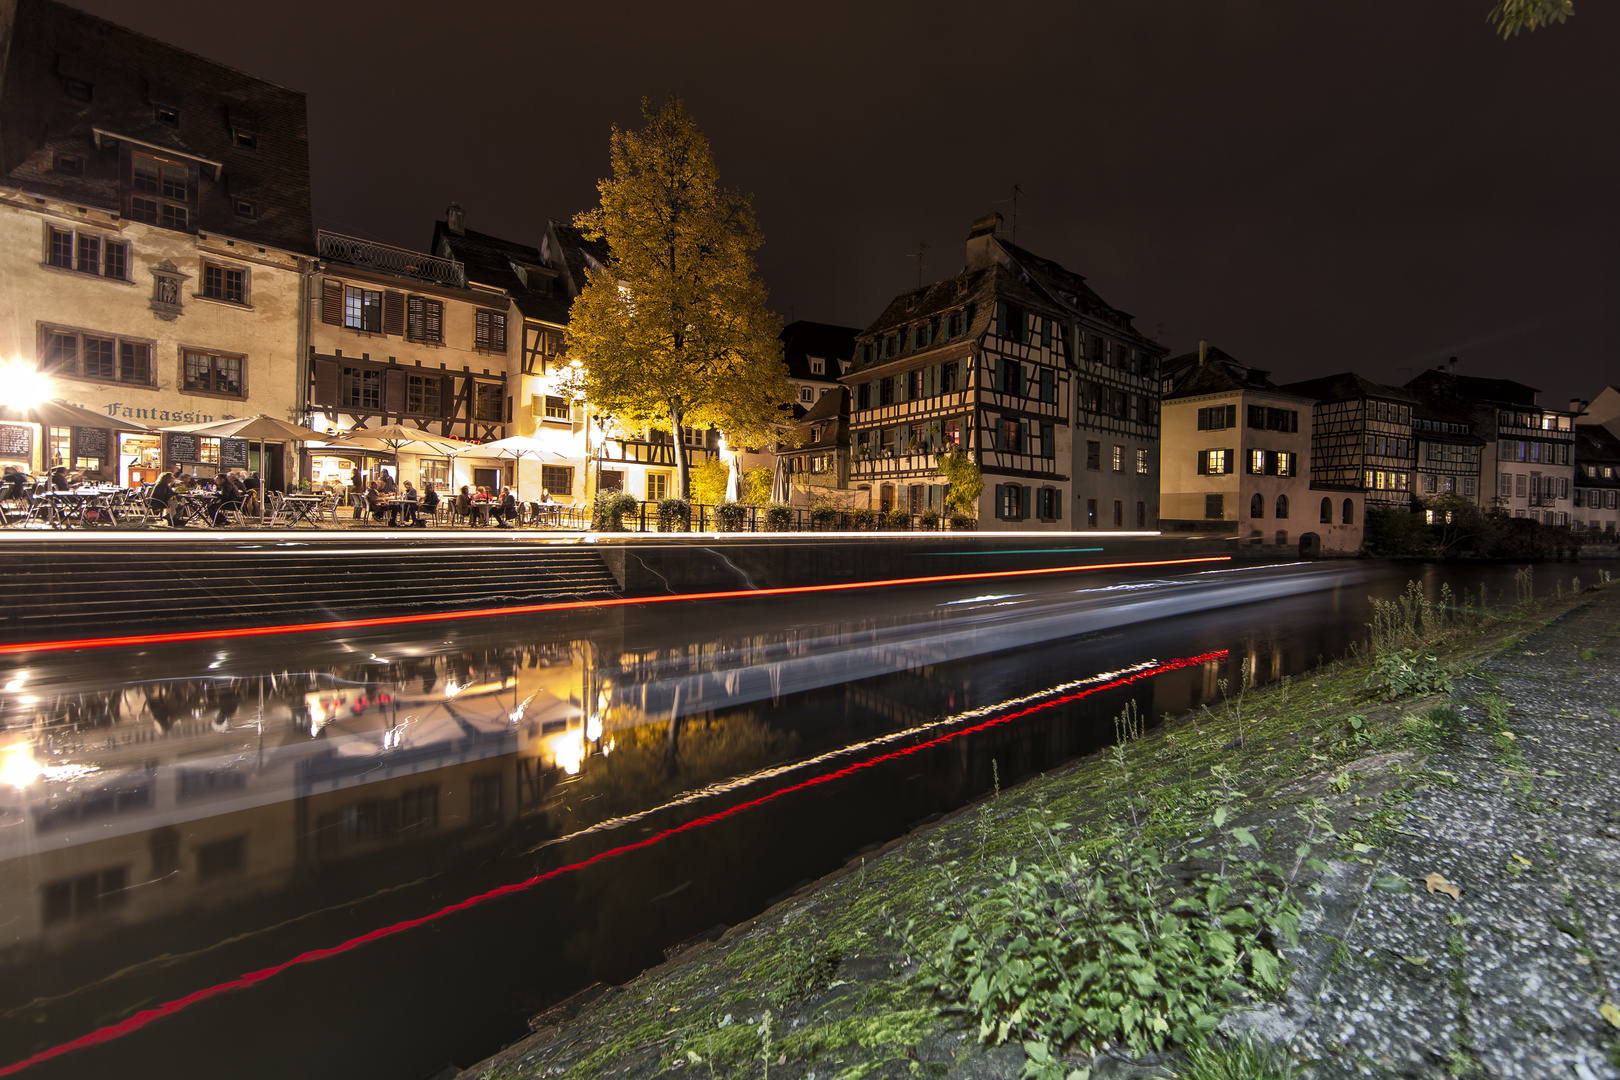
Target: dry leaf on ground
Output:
[{"x": 1438, "y": 883}]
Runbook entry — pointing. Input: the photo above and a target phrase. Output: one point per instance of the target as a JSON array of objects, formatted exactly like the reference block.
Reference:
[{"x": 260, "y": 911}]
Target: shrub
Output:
[
  {"x": 964, "y": 522},
  {"x": 1407, "y": 671},
  {"x": 708, "y": 481},
  {"x": 729, "y": 516},
  {"x": 756, "y": 484},
  {"x": 778, "y": 517},
  {"x": 864, "y": 518},
  {"x": 897, "y": 519},
  {"x": 824, "y": 517},
  {"x": 607, "y": 512},
  {"x": 674, "y": 515},
  {"x": 928, "y": 519}
]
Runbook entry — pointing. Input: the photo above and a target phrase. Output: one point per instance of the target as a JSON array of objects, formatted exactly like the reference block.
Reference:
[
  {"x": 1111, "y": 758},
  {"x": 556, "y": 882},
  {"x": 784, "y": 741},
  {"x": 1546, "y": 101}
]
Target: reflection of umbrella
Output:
[
  {"x": 781, "y": 490},
  {"x": 734, "y": 480},
  {"x": 513, "y": 446},
  {"x": 258, "y": 429}
]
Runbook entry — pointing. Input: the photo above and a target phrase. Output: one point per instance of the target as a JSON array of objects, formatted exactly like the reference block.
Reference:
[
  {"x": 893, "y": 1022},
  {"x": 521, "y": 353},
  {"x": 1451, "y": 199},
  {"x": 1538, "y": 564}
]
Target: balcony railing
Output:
[{"x": 394, "y": 260}]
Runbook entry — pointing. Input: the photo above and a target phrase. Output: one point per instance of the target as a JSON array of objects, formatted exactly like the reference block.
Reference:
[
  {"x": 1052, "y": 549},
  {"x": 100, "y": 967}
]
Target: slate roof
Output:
[
  {"x": 1219, "y": 373},
  {"x": 1348, "y": 385},
  {"x": 831, "y": 411},
  {"x": 1497, "y": 391},
  {"x": 804, "y": 339},
  {"x": 981, "y": 288},
  {"x": 1596, "y": 445},
  {"x": 489, "y": 261},
  {"x": 128, "y": 72},
  {"x": 578, "y": 255}
]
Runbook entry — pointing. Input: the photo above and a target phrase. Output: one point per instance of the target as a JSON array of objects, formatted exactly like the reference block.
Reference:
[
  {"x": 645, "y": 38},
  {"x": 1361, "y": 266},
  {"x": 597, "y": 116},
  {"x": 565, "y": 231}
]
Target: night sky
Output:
[{"x": 1312, "y": 187}]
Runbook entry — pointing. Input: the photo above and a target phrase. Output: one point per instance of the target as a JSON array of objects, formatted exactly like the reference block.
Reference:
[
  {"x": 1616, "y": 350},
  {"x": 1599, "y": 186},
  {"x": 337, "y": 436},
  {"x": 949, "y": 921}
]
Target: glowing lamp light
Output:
[
  {"x": 570, "y": 754},
  {"x": 19, "y": 769},
  {"x": 26, "y": 386}
]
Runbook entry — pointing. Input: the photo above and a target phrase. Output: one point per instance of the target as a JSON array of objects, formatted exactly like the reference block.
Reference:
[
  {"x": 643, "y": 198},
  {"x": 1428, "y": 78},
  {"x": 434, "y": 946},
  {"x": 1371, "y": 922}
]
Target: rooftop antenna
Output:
[
  {"x": 921, "y": 255},
  {"x": 1016, "y": 194}
]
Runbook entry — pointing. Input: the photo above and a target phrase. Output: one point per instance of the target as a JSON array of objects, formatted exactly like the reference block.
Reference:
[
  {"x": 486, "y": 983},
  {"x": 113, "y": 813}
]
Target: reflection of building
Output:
[{"x": 155, "y": 236}]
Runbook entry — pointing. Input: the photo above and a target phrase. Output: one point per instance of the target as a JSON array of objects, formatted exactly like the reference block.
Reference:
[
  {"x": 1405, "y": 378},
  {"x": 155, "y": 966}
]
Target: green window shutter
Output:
[
  {"x": 1023, "y": 510},
  {"x": 1046, "y": 333},
  {"x": 1001, "y": 500},
  {"x": 1001, "y": 319},
  {"x": 1048, "y": 443},
  {"x": 1048, "y": 385},
  {"x": 1057, "y": 505}
]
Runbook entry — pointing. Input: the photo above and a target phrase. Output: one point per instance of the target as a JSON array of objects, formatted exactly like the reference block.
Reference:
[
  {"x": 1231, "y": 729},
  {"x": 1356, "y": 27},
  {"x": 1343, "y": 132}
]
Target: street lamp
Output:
[{"x": 25, "y": 384}]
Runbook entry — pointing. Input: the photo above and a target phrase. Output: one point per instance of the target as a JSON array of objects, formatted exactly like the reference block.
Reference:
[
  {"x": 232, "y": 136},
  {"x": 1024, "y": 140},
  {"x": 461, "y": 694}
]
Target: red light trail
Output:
[
  {"x": 24, "y": 647},
  {"x": 243, "y": 982}
]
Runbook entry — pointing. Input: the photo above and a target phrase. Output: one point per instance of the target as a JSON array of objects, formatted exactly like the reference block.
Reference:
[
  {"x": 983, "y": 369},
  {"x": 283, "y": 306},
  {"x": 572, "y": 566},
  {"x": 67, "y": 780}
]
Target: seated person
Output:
[
  {"x": 468, "y": 507},
  {"x": 376, "y": 501},
  {"x": 14, "y": 481},
  {"x": 506, "y": 512},
  {"x": 230, "y": 497},
  {"x": 430, "y": 501},
  {"x": 252, "y": 493},
  {"x": 59, "y": 479},
  {"x": 403, "y": 511},
  {"x": 162, "y": 500},
  {"x": 386, "y": 484}
]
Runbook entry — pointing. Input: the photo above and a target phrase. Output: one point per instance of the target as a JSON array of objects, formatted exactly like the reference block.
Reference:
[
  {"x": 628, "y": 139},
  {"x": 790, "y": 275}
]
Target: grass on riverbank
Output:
[{"x": 1125, "y": 902}]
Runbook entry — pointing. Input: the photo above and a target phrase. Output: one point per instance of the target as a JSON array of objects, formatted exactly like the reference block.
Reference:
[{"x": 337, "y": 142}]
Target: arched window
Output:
[
  {"x": 1327, "y": 511},
  {"x": 1349, "y": 512},
  {"x": 1282, "y": 506},
  {"x": 1257, "y": 506}
]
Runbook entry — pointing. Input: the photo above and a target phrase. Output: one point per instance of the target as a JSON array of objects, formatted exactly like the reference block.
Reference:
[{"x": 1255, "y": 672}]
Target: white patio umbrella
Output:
[
  {"x": 260, "y": 429},
  {"x": 734, "y": 480},
  {"x": 513, "y": 446},
  {"x": 781, "y": 488}
]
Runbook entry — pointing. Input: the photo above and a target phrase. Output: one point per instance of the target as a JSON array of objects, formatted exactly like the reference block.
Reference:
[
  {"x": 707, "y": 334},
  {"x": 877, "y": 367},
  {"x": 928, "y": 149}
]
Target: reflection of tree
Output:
[{"x": 649, "y": 764}]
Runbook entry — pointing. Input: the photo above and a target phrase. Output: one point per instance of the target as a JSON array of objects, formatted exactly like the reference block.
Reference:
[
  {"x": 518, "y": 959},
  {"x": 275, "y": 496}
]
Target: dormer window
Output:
[
  {"x": 245, "y": 208},
  {"x": 68, "y": 164},
  {"x": 167, "y": 115},
  {"x": 77, "y": 89},
  {"x": 160, "y": 192},
  {"x": 818, "y": 366}
]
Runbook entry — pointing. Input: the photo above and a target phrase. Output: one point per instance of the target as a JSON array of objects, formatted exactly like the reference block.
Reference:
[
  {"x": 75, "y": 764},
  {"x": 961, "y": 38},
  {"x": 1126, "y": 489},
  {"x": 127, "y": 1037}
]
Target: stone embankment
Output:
[{"x": 1452, "y": 863}]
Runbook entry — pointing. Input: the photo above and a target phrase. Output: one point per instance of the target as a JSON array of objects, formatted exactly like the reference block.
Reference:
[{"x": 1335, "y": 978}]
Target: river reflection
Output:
[{"x": 171, "y": 818}]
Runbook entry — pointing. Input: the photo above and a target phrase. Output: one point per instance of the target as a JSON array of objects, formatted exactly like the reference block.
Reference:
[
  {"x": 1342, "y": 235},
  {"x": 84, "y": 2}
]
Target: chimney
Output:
[
  {"x": 455, "y": 218},
  {"x": 982, "y": 249},
  {"x": 1451, "y": 365},
  {"x": 1203, "y": 350}
]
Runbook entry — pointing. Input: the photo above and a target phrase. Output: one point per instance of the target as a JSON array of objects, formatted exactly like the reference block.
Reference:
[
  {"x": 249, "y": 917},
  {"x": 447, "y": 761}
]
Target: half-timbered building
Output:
[
  {"x": 1361, "y": 437},
  {"x": 1596, "y": 502},
  {"x": 155, "y": 234},
  {"x": 975, "y": 361},
  {"x": 404, "y": 337},
  {"x": 1448, "y": 453},
  {"x": 1527, "y": 463},
  {"x": 1114, "y": 405}
]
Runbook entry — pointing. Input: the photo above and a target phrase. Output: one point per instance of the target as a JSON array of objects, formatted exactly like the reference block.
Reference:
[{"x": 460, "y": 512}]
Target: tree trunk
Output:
[{"x": 682, "y": 475}]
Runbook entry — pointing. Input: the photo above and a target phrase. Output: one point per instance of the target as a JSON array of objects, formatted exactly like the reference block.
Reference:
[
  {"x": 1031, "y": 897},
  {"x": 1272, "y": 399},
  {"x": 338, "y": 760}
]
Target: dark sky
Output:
[{"x": 1310, "y": 186}]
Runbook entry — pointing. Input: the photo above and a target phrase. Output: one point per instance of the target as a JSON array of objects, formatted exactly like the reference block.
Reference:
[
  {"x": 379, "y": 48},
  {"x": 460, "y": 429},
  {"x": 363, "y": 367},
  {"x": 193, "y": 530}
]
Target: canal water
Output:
[{"x": 377, "y": 855}]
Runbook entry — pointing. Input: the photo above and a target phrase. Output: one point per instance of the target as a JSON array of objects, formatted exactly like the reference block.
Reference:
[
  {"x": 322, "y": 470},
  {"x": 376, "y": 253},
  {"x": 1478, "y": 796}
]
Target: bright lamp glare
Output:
[
  {"x": 26, "y": 386},
  {"x": 19, "y": 769}
]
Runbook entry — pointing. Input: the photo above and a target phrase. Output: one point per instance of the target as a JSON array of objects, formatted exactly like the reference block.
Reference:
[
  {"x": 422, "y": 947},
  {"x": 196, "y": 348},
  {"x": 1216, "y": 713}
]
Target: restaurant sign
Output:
[{"x": 122, "y": 411}]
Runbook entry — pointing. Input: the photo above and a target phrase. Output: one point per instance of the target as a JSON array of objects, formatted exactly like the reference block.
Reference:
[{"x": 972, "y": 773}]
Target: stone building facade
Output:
[{"x": 155, "y": 236}]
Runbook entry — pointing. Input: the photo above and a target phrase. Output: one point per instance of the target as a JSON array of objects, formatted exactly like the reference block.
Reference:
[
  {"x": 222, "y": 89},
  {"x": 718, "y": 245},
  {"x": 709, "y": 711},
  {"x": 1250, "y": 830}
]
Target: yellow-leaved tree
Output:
[{"x": 676, "y": 329}]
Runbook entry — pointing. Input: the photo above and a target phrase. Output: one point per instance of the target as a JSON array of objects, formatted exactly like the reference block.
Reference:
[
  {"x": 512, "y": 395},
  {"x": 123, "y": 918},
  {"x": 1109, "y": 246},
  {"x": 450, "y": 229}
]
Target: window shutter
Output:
[
  {"x": 332, "y": 302},
  {"x": 1231, "y": 416},
  {"x": 1048, "y": 385},
  {"x": 1048, "y": 441},
  {"x": 1046, "y": 333},
  {"x": 394, "y": 390},
  {"x": 394, "y": 313},
  {"x": 1001, "y": 319},
  {"x": 1231, "y": 459},
  {"x": 1203, "y": 463},
  {"x": 1001, "y": 501},
  {"x": 1057, "y": 505},
  {"x": 497, "y": 337},
  {"x": 326, "y": 380},
  {"x": 481, "y": 330},
  {"x": 447, "y": 396},
  {"x": 1023, "y": 509},
  {"x": 415, "y": 318}
]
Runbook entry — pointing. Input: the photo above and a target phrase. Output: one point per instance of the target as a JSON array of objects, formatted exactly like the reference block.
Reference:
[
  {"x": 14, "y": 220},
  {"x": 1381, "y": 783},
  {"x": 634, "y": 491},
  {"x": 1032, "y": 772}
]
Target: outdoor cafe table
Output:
[
  {"x": 81, "y": 506},
  {"x": 192, "y": 506},
  {"x": 303, "y": 508}
]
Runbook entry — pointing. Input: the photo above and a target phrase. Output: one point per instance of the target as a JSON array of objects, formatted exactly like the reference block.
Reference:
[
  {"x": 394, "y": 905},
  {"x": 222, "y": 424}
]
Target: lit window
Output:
[
  {"x": 1119, "y": 458},
  {"x": 209, "y": 373},
  {"x": 1142, "y": 461},
  {"x": 363, "y": 309},
  {"x": 224, "y": 283}
]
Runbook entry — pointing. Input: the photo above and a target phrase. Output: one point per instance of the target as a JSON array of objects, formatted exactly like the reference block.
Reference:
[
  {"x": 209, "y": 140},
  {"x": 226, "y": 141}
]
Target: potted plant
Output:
[
  {"x": 824, "y": 518},
  {"x": 863, "y": 519},
  {"x": 729, "y": 516},
  {"x": 929, "y": 519},
  {"x": 961, "y": 522},
  {"x": 674, "y": 515},
  {"x": 607, "y": 513},
  {"x": 897, "y": 519}
]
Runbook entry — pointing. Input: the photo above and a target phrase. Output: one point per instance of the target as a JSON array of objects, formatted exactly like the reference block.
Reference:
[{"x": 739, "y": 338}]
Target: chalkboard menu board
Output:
[
  {"x": 182, "y": 448},
  {"x": 233, "y": 453},
  {"x": 16, "y": 441},
  {"x": 90, "y": 442}
]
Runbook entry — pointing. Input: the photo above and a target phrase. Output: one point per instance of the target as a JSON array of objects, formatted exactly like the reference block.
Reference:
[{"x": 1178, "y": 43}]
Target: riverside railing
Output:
[{"x": 766, "y": 519}]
